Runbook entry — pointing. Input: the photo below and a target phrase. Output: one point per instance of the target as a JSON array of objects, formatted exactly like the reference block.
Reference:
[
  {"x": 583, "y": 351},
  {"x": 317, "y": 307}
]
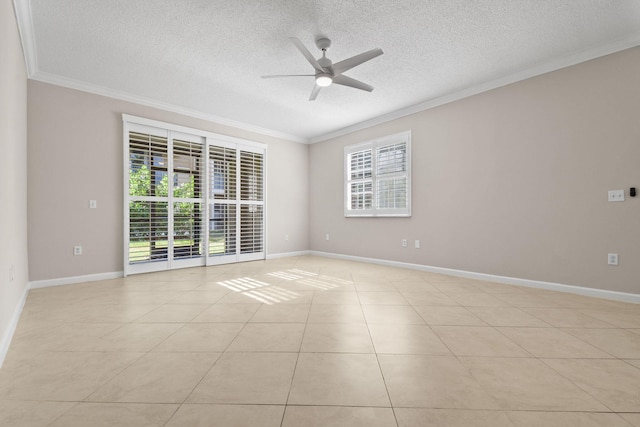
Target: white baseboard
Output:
[
  {"x": 579, "y": 290},
  {"x": 287, "y": 254},
  {"x": 75, "y": 279},
  {"x": 7, "y": 336}
]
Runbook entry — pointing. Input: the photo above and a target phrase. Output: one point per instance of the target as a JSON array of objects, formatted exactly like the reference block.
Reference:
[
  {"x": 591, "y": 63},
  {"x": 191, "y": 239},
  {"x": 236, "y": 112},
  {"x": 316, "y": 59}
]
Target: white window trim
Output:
[{"x": 373, "y": 144}]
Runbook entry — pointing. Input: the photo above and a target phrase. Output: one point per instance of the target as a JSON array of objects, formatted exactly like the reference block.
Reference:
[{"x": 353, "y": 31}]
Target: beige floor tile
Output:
[
  {"x": 529, "y": 300},
  {"x": 207, "y": 415},
  {"x": 136, "y": 337},
  {"x": 392, "y": 314},
  {"x": 382, "y": 298},
  {"x": 247, "y": 378},
  {"x": 60, "y": 376},
  {"x": 201, "y": 337},
  {"x": 18, "y": 413},
  {"x": 478, "y": 341},
  {"x": 449, "y": 316},
  {"x": 334, "y": 313},
  {"x": 633, "y": 419},
  {"x": 259, "y": 296},
  {"x": 565, "y": 419},
  {"x": 338, "y": 379},
  {"x": 457, "y": 286},
  {"x": 60, "y": 336},
  {"x": 506, "y": 316},
  {"x": 428, "y": 298},
  {"x": 345, "y": 298},
  {"x": 406, "y": 339},
  {"x": 170, "y": 313},
  {"x": 278, "y": 295},
  {"x": 228, "y": 313},
  {"x": 635, "y": 363},
  {"x": 338, "y": 416},
  {"x": 157, "y": 378},
  {"x": 567, "y": 318},
  {"x": 336, "y": 338},
  {"x": 552, "y": 342},
  {"x": 613, "y": 382},
  {"x": 382, "y": 286},
  {"x": 198, "y": 297},
  {"x": 529, "y": 384},
  {"x": 478, "y": 299},
  {"x": 432, "y": 382},
  {"x": 619, "y": 318},
  {"x": 282, "y": 313},
  {"x": 286, "y": 337},
  {"x": 116, "y": 414},
  {"x": 413, "y": 417},
  {"x": 618, "y": 342}
]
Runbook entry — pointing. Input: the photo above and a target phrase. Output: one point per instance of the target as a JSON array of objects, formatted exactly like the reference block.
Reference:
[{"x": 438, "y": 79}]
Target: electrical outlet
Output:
[
  {"x": 93, "y": 204},
  {"x": 404, "y": 243},
  {"x": 417, "y": 244},
  {"x": 326, "y": 237},
  {"x": 616, "y": 195},
  {"x": 77, "y": 250},
  {"x": 612, "y": 259}
]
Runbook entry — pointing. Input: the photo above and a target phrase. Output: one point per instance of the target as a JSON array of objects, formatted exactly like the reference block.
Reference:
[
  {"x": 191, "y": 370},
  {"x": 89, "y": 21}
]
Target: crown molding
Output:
[
  {"x": 22, "y": 10},
  {"x": 124, "y": 96},
  {"x": 557, "y": 64}
]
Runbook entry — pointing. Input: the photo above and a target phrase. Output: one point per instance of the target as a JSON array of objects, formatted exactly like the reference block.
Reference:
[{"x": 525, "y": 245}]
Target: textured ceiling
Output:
[{"x": 205, "y": 57}]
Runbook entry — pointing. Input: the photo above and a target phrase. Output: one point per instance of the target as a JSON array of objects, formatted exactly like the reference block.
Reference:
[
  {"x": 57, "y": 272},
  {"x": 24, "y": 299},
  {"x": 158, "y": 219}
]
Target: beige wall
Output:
[
  {"x": 75, "y": 154},
  {"x": 13, "y": 172},
  {"x": 511, "y": 182}
]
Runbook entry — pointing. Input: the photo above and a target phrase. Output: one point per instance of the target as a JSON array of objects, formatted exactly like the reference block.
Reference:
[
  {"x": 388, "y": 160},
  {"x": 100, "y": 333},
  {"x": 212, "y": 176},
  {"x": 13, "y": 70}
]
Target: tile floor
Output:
[{"x": 310, "y": 341}]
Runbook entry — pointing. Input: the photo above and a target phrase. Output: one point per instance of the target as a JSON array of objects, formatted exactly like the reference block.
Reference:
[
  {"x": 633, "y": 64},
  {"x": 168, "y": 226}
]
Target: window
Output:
[{"x": 377, "y": 177}]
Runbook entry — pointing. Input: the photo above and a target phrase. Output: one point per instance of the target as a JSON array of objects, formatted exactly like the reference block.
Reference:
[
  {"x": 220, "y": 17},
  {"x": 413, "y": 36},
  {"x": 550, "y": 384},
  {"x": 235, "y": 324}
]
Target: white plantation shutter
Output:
[
  {"x": 378, "y": 177},
  {"x": 222, "y": 201},
  {"x": 148, "y": 201},
  {"x": 251, "y": 203},
  {"x": 188, "y": 165},
  {"x": 190, "y": 198}
]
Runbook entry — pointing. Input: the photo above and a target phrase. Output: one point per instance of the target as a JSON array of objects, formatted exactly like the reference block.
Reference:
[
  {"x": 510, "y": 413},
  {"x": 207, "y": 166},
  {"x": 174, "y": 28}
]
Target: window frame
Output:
[{"x": 373, "y": 145}]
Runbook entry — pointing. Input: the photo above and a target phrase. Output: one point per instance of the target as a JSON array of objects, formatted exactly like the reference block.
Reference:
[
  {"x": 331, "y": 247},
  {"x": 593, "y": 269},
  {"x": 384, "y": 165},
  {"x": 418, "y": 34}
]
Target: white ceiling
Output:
[{"x": 205, "y": 57}]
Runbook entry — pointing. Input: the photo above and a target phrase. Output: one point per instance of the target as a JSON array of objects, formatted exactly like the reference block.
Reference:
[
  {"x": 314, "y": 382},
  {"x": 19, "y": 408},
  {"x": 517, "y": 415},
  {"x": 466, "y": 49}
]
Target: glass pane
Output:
[
  {"x": 391, "y": 193},
  {"x": 360, "y": 165},
  {"x": 148, "y": 231},
  {"x": 361, "y": 195},
  {"x": 147, "y": 165},
  {"x": 187, "y": 230},
  {"x": 391, "y": 159},
  {"x": 187, "y": 167},
  {"x": 222, "y": 173},
  {"x": 222, "y": 229},
  {"x": 250, "y": 228},
  {"x": 250, "y": 176}
]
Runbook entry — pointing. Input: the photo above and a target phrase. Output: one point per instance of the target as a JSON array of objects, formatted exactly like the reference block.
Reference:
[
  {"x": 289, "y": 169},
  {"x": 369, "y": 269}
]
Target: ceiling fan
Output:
[{"x": 326, "y": 72}]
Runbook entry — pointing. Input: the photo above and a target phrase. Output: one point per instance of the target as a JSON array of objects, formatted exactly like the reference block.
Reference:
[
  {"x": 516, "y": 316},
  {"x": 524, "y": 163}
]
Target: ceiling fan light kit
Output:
[
  {"x": 323, "y": 80},
  {"x": 326, "y": 72}
]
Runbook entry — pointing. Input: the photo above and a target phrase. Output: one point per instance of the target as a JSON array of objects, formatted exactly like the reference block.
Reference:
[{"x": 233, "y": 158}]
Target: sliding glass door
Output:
[
  {"x": 191, "y": 199},
  {"x": 236, "y": 203}
]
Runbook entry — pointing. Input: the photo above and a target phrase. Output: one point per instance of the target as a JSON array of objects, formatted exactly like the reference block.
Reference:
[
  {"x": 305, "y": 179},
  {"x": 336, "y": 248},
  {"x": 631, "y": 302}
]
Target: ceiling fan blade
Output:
[
  {"x": 314, "y": 63},
  {"x": 349, "y": 63},
  {"x": 314, "y": 92},
  {"x": 273, "y": 76},
  {"x": 348, "y": 81}
]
